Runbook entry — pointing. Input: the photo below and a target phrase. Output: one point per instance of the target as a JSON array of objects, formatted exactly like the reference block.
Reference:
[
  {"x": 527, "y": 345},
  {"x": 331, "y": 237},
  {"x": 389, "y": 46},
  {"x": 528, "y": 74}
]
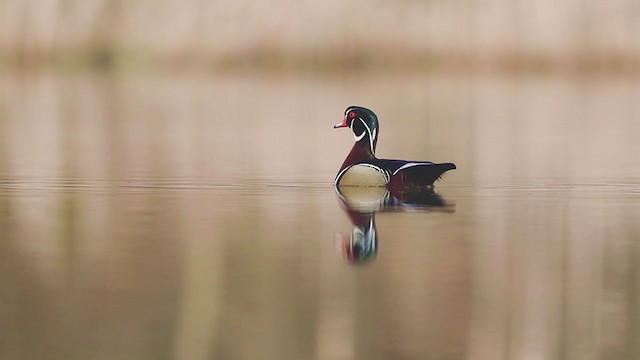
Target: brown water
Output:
[{"x": 193, "y": 217}]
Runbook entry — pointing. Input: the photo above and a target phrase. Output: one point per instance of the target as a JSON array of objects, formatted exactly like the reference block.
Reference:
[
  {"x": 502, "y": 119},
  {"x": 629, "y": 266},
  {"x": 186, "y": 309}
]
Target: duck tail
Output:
[
  {"x": 443, "y": 168},
  {"x": 447, "y": 166}
]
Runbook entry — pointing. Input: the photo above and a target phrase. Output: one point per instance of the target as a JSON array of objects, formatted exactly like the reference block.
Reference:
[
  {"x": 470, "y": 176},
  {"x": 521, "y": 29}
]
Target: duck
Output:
[{"x": 363, "y": 168}]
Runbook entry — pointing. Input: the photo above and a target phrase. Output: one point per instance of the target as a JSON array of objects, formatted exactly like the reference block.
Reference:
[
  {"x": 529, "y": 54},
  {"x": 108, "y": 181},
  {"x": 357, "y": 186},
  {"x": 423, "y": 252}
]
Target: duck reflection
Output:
[{"x": 361, "y": 205}]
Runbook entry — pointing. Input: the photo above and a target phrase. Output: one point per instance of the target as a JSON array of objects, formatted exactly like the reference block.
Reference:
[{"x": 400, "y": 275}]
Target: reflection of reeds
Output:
[{"x": 543, "y": 34}]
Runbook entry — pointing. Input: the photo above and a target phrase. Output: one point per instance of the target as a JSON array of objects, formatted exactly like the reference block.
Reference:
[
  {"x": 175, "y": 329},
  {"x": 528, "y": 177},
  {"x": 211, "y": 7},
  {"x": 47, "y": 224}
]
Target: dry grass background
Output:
[{"x": 540, "y": 34}]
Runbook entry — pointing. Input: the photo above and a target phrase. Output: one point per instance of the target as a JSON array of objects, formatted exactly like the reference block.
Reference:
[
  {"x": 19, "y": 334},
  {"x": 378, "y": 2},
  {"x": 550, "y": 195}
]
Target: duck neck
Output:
[{"x": 360, "y": 152}]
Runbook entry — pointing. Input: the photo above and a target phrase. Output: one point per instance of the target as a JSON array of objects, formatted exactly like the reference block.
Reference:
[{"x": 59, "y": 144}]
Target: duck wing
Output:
[{"x": 414, "y": 173}]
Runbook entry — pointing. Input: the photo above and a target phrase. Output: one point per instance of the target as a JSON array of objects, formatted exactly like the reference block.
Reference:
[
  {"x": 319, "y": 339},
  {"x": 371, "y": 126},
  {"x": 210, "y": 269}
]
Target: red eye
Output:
[{"x": 352, "y": 114}]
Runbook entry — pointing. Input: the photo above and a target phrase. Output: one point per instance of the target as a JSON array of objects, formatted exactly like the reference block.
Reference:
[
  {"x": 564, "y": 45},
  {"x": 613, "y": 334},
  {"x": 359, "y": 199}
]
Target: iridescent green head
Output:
[{"x": 364, "y": 124}]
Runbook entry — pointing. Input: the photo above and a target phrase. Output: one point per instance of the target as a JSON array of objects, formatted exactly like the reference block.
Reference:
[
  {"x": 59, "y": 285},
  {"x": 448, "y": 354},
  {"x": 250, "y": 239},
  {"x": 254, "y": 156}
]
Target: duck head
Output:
[{"x": 364, "y": 124}]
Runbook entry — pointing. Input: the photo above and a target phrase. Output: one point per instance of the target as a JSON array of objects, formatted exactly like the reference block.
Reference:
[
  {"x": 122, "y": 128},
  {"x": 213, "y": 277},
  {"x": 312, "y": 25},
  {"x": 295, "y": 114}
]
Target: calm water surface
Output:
[{"x": 193, "y": 217}]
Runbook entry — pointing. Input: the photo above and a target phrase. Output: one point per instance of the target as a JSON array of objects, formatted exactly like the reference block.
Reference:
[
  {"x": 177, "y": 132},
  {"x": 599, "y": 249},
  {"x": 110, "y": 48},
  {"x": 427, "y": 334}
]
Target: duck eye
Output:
[{"x": 352, "y": 114}]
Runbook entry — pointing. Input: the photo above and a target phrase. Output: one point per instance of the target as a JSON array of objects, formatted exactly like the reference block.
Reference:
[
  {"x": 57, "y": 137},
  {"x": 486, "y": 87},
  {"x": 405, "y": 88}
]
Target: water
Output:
[{"x": 193, "y": 216}]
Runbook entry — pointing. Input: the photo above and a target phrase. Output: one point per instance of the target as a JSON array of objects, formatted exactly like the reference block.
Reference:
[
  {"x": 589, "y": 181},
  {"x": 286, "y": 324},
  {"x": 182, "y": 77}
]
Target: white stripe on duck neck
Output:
[{"x": 372, "y": 135}]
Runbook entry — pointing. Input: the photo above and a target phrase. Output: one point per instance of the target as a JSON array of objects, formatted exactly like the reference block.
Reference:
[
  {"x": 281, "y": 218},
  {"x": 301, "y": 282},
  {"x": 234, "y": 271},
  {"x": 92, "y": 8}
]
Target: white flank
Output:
[
  {"x": 411, "y": 165},
  {"x": 384, "y": 173}
]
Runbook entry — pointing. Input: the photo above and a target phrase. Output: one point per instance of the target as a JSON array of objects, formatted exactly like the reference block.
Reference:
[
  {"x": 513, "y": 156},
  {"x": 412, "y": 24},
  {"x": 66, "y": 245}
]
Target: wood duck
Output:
[{"x": 363, "y": 168}]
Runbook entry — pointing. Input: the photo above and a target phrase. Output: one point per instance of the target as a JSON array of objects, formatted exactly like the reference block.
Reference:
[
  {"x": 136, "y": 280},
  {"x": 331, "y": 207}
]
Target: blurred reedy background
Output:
[{"x": 496, "y": 34}]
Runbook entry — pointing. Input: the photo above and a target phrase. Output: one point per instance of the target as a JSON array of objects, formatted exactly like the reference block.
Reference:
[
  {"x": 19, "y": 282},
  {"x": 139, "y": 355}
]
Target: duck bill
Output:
[{"x": 344, "y": 123}]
